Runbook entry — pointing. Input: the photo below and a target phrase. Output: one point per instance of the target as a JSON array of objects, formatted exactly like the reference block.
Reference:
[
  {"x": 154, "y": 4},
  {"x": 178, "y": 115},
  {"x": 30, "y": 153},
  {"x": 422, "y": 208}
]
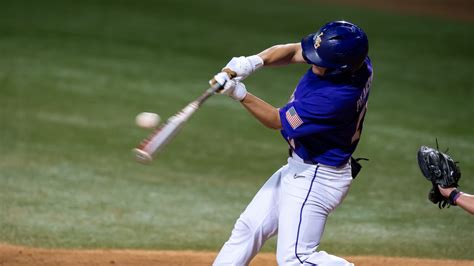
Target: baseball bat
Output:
[{"x": 164, "y": 134}]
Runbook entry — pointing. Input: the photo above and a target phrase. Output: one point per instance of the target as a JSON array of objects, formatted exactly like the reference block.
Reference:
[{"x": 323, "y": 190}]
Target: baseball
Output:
[{"x": 147, "y": 120}]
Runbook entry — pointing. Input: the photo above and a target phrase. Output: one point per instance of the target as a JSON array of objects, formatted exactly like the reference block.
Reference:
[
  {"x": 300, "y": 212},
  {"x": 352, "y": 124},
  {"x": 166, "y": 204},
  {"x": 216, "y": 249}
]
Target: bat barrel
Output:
[
  {"x": 142, "y": 156},
  {"x": 160, "y": 137}
]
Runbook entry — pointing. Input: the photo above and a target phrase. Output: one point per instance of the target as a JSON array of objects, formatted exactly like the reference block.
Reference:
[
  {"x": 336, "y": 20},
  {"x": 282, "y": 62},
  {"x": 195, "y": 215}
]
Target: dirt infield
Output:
[{"x": 16, "y": 255}]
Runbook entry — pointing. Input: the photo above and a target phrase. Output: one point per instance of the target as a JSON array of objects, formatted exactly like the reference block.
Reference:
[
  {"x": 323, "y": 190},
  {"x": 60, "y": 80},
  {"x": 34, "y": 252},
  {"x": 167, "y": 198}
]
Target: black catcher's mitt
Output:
[{"x": 440, "y": 169}]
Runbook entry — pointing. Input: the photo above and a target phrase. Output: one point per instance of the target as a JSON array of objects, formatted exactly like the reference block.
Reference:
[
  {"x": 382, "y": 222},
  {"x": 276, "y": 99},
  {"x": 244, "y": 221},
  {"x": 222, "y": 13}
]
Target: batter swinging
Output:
[{"x": 322, "y": 124}]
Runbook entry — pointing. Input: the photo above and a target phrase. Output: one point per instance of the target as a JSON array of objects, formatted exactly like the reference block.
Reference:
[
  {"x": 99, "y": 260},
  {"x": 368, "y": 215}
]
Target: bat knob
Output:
[{"x": 142, "y": 156}]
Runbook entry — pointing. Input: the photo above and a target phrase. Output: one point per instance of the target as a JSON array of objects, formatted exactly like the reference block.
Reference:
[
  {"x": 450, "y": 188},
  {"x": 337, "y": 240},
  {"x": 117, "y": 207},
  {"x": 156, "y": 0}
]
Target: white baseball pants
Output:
[{"x": 295, "y": 203}]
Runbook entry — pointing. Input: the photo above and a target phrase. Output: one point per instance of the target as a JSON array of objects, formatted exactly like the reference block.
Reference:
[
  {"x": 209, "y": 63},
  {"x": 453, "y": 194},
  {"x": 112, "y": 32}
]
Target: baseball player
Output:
[{"x": 322, "y": 123}]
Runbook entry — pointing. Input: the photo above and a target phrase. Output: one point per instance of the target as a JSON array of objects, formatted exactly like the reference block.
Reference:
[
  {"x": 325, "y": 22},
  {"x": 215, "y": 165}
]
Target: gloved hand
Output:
[
  {"x": 234, "y": 89},
  {"x": 237, "y": 69},
  {"x": 438, "y": 167},
  {"x": 220, "y": 78},
  {"x": 441, "y": 170},
  {"x": 244, "y": 66}
]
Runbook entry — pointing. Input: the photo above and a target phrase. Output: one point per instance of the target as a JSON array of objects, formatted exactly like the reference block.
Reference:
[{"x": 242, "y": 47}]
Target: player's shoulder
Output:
[
  {"x": 329, "y": 99},
  {"x": 337, "y": 95}
]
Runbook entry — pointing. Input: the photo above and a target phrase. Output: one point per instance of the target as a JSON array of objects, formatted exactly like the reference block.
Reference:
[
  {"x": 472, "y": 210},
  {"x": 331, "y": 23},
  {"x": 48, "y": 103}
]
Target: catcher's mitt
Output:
[{"x": 440, "y": 169}]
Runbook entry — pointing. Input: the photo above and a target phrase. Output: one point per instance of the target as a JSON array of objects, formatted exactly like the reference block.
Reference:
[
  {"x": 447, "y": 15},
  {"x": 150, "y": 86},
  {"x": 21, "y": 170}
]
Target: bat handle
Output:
[
  {"x": 215, "y": 87},
  {"x": 230, "y": 73},
  {"x": 209, "y": 92}
]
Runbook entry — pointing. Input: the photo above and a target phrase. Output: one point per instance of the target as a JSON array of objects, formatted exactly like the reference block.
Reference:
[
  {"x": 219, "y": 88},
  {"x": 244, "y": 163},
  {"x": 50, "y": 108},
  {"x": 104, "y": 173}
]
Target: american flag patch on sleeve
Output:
[{"x": 293, "y": 118}]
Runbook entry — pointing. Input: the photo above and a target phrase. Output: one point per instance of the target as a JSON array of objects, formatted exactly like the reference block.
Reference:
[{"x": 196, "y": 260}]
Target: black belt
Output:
[
  {"x": 290, "y": 153},
  {"x": 355, "y": 165}
]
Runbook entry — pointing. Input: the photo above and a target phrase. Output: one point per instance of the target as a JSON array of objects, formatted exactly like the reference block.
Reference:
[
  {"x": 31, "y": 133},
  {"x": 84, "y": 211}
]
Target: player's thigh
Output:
[
  {"x": 302, "y": 218},
  {"x": 263, "y": 211}
]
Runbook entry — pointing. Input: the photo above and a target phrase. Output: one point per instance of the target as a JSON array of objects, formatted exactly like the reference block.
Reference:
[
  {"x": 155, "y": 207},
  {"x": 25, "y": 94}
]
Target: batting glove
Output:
[
  {"x": 220, "y": 78},
  {"x": 244, "y": 66},
  {"x": 235, "y": 89}
]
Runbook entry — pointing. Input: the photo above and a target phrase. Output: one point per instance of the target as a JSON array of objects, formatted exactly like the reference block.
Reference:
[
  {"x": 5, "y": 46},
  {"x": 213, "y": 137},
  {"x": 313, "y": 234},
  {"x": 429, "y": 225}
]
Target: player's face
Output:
[{"x": 319, "y": 70}]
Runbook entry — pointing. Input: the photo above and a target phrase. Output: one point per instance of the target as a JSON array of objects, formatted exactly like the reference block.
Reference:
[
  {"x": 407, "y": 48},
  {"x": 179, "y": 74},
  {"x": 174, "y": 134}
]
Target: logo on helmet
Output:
[{"x": 317, "y": 43}]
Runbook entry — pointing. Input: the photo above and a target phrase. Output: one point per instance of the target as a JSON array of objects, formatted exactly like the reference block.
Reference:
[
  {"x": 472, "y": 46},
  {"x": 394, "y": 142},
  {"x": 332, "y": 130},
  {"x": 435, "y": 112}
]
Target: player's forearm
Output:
[
  {"x": 466, "y": 202},
  {"x": 264, "y": 112},
  {"x": 282, "y": 54}
]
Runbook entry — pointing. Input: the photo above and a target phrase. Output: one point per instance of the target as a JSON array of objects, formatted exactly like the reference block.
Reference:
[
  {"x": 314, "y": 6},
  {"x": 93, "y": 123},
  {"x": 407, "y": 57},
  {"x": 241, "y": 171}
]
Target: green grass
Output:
[{"x": 73, "y": 75}]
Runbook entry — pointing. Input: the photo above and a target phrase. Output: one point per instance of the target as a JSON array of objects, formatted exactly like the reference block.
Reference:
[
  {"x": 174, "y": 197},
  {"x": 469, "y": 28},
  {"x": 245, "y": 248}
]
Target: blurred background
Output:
[{"x": 74, "y": 74}]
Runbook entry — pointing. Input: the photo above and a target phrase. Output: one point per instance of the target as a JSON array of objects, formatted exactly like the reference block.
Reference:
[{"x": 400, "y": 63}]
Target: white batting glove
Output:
[
  {"x": 234, "y": 89},
  {"x": 244, "y": 66},
  {"x": 220, "y": 78}
]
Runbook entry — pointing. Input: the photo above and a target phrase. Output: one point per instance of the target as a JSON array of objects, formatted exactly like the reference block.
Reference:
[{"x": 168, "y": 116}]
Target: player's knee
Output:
[
  {"x": 242, "y": 231},
  {"x": 248, "y": 230},
  {"x": 243, "y": 227}
]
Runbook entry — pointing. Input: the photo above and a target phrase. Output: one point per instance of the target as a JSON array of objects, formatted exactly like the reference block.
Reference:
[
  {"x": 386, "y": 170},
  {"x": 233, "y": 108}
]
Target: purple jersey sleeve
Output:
[{"x": 311, "y": 115}]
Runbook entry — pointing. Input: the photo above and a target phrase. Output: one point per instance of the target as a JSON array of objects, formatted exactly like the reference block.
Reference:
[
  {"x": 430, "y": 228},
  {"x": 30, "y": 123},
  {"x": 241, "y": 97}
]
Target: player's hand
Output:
[
  {"x": 234, "y": 89},
  {"x": 244, "y": 66},
  {"x": 445, "y": 191},
  {"x": 220, "y": 78}
]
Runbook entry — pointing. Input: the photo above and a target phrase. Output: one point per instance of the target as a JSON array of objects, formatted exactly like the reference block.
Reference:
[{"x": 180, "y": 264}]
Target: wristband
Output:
[
  {"x": 243, "y": 98},
  {"x": 453, "y": 196},
  {"x": 256, "y": 61},
  {"x": 457, "y": 197}
]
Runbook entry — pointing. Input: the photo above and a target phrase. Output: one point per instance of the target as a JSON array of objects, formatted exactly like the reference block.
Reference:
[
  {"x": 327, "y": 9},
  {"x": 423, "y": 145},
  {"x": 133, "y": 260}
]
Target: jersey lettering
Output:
[{"x": 362, "y": 102}]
